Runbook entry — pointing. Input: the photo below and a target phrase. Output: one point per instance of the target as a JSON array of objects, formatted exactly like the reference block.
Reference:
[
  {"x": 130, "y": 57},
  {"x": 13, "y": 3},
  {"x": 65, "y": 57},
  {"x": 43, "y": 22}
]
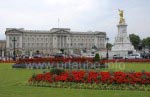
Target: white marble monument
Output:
[{"x": 122, "y": 42}]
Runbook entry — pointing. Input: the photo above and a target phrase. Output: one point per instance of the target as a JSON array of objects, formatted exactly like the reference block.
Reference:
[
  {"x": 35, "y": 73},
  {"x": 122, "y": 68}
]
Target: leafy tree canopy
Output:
[{"x": 135, "y": 40}]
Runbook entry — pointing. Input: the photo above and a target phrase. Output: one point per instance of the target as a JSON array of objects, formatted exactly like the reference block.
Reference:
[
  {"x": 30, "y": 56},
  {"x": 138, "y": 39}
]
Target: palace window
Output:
[
  {"x": 10, "y": 45},
  {"x": 23, "y": 45},
  {"x": 17, "y": 45}
]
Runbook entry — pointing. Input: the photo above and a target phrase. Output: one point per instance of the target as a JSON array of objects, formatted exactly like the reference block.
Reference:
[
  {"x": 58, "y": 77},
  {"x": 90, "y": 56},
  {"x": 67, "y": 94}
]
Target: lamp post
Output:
[
  {"x": 14, "y": 40},
  {"x": 107, "y": 55}
]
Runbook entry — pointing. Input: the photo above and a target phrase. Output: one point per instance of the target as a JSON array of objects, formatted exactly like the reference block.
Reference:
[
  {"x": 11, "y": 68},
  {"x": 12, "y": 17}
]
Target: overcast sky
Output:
[{"x": 79, "y": 15}]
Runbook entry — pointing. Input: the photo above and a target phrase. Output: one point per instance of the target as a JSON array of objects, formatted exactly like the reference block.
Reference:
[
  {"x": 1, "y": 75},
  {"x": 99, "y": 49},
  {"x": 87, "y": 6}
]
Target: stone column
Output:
[
  {"x": 55, "y": 41},
  {"x": 7, "y": 41},
  {"x": 20, "y": 41},
  {"x": 2, "y": 53},
  {"x": 61, "y": 41},
  {"x": 68, "y": 42},
  {"x": 65, "y": 46},
  {"x": 59, "y": 38},
  {"x": 11, "y": 52},
  {"x": 64, "y": 41},
  {"x": 31, "y": 53},
  {"x": 95, "y": 41}
]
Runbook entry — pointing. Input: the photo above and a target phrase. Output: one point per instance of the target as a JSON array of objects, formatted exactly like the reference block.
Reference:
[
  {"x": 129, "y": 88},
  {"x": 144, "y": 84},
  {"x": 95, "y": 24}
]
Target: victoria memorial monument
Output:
[{"x": 122, "y": 44}]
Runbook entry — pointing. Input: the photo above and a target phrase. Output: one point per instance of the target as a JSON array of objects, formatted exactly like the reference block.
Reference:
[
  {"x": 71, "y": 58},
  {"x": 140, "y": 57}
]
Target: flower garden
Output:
[
  {"x": 17, "y": 82},
  {"x": 82, "y": 73},
  {"x": 93, "y": 80}
]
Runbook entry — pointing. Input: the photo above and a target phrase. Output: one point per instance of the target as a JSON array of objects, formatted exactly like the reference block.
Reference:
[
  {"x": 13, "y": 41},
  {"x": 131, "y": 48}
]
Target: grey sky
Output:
[{"x": 79, "y": 15}]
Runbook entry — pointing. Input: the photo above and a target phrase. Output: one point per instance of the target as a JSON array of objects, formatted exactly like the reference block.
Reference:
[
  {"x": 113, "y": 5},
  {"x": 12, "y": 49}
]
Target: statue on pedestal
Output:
[
  {"x": 122, "y": 42},
  {"x": 122, "y": 20}
]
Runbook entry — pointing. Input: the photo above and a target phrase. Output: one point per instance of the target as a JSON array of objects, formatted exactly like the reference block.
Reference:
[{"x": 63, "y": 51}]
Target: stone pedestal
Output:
[{"x": 122, "y": 41}]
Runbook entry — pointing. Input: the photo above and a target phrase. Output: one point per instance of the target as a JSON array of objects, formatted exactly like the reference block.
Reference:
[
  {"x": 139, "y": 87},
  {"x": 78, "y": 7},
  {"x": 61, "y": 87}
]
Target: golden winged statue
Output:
[{"x": 122, "y": 20}]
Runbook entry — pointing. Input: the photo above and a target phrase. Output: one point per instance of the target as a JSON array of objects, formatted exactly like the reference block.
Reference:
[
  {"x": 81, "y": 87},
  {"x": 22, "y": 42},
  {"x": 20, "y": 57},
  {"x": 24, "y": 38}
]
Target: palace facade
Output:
[{"x": 51, "y": 41}]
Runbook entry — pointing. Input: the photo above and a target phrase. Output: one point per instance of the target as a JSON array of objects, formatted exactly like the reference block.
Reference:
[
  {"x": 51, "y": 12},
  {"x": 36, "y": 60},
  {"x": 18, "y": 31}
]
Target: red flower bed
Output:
[
  {"x": 94, "y": 77},
  {"x": 52, "y": 60},
  {"x": 77, "y": 60}
]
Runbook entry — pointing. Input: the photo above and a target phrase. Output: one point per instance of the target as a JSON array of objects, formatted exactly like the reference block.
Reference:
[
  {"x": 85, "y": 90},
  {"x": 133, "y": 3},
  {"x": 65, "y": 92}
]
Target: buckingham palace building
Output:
[{"x": 52, "y": 41}]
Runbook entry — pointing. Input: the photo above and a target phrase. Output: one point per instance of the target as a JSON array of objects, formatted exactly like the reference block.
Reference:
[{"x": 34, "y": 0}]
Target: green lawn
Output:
[
  {"x": 13, "y": 83},
  {"x": 129, "y": 66}
]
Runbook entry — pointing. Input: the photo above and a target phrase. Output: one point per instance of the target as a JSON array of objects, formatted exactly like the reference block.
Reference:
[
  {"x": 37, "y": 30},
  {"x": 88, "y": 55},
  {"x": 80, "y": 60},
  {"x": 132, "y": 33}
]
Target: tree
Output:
[
  {"x": 135, "y": 40},
  {"x": 146, "y": 42},
  {"x": 97, "y": 57},
  {"x": 62, "y": 50},
  {"x": 109, "y": 45}
]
